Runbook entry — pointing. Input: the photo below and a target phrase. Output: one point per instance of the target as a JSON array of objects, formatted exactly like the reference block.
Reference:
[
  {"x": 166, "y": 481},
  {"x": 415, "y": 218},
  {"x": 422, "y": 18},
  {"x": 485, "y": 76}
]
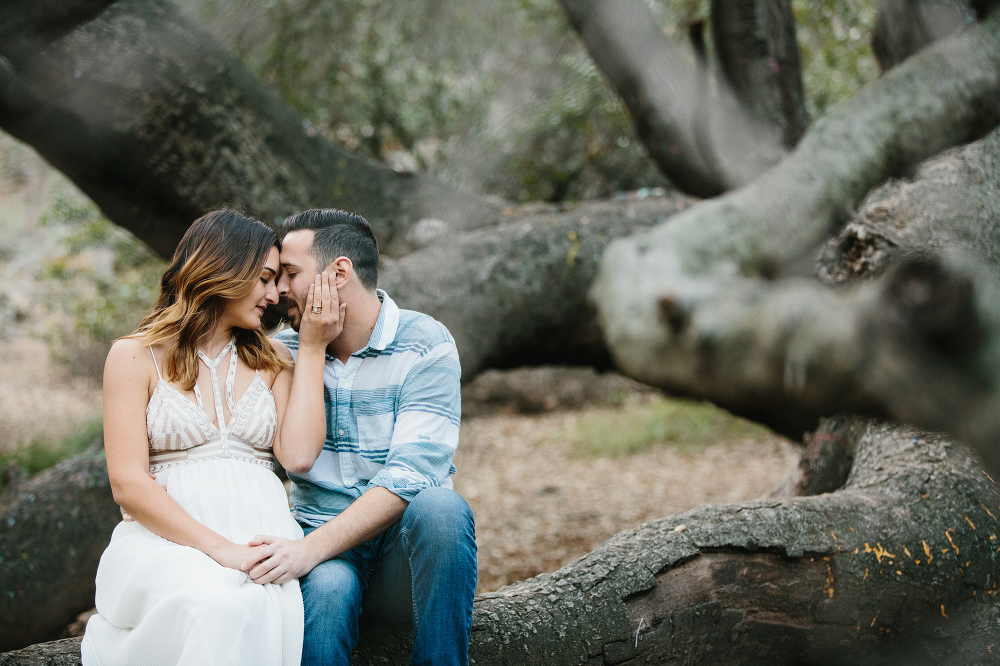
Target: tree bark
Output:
[
  {"x": 516, "y": 294},
  {"x": 703, "y": 150},
  {"x": 55, "y": 527},
  {"x": 898, "y": 566},
  {"x": 759, "y": 59},
  {"x": 903, "y": 27},
  {"x": 718, "y": 303},
  {"x": 157, "y": 125}
]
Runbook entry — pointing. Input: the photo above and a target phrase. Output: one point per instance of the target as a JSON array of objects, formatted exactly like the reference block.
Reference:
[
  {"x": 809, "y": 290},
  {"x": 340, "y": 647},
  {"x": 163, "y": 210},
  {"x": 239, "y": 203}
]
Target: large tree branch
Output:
[
  {"x": 696, "y": 305},
  {"x": 516, "y": 294},
  {"x": 897, "y": 567},
  {"x": 157, "y": 124},
  {"x": 705, "y": 149}
]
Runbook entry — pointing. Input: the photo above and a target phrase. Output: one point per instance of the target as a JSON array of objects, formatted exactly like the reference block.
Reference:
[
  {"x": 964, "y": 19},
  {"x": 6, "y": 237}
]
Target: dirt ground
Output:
[
  {"x": 539, "y": 505},
  {"x": 40, "y": 401}
]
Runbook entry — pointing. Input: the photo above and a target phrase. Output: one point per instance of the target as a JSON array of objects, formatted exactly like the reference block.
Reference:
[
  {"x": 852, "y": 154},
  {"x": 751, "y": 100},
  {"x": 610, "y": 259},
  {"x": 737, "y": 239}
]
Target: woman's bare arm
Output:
[{"x": 298, "y": 393}]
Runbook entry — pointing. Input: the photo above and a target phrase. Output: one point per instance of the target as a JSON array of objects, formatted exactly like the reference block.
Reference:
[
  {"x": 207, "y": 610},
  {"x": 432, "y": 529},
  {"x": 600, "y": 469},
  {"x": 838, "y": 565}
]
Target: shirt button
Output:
[{"x": 340, "y": 432}]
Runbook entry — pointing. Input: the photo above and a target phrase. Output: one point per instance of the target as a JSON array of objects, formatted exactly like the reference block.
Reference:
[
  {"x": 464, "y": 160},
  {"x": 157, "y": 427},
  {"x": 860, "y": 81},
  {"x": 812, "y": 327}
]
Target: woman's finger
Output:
[
  {"x": 327, "y": 297},
  {"x": 309, "y": 300}
]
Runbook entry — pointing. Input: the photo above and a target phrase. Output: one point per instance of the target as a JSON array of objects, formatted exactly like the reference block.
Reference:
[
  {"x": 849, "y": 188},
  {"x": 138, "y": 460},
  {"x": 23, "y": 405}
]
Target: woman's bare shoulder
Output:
[
  {"x": 129, "y": 356},
  {"x": 281, "y": 350}
]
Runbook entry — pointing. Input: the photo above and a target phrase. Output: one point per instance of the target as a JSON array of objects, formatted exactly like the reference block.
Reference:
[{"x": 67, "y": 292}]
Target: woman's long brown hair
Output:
[{"x": 220, "y": 258}]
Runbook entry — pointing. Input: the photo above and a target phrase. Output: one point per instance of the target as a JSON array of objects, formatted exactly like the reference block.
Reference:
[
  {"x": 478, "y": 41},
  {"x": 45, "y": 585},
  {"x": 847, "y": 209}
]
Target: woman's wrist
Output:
[
  {"x": 220, "y": 549},
  {"x": 309, "y": 349}
]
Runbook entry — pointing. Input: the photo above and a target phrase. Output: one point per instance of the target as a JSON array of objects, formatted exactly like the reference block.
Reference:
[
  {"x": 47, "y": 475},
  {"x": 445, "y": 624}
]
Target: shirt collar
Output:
[{"x": 386, "y": 324}]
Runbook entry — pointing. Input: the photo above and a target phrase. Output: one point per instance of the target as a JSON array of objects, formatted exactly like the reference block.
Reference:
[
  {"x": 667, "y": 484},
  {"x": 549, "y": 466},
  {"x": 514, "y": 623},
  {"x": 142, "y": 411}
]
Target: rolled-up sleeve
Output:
[{"x": 425, "y": 434}]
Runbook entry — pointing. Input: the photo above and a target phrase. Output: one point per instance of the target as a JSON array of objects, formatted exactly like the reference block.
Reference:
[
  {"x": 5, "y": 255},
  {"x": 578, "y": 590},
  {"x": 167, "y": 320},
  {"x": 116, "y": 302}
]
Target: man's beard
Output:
[{"x": 295, "y": 320}]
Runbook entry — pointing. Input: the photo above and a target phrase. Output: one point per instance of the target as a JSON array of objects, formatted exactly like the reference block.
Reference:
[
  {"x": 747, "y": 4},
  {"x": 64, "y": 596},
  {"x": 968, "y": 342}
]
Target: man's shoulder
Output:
[
  {"x": 417, "y": 328},
  {"x": 288, "y": 337}
]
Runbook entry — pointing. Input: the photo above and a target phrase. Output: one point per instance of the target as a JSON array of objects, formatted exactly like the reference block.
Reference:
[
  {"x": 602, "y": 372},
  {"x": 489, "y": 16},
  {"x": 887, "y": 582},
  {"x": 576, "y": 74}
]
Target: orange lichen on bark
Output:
[
  {"x": 828, "y": 585},
  {"x": 947, "y": 533},
  {"x": 879, "y": 552}
]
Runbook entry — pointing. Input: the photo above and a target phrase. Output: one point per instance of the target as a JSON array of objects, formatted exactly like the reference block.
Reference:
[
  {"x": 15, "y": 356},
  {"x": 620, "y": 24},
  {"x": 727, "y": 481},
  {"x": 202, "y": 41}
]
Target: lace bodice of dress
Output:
[{"x": 180, "y": 432}]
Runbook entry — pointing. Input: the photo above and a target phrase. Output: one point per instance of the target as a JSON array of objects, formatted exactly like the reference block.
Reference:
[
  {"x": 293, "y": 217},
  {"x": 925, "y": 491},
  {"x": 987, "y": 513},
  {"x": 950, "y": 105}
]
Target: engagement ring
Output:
[{"x": 317, "y": 309}]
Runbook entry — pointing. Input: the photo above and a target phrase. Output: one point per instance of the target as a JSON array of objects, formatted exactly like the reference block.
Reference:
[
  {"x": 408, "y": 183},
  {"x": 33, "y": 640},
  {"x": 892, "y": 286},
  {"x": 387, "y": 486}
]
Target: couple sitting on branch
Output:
[{"x": 359, "y": 401}]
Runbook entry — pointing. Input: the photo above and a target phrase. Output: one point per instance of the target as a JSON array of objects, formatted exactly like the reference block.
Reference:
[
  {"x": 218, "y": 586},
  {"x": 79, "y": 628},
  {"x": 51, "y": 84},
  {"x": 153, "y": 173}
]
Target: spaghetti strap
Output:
[{"x": 155, "y": 364}]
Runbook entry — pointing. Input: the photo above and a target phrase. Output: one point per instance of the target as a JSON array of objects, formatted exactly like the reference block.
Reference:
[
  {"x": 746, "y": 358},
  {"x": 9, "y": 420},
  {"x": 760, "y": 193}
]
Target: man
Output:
[{"x": 384, "y": 531}]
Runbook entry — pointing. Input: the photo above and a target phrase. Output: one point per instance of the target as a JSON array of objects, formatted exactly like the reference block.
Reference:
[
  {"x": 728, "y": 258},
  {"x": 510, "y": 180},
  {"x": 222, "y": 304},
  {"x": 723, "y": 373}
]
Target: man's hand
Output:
[
  {"x": 319, "y": 329},
  {"x": 277, "y": 560},
  {"x": 233, "y": 555}
]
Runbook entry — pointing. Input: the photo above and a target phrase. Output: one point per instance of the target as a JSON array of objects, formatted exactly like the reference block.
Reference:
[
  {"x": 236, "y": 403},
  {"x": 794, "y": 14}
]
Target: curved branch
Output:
[
  {"x": 516, "y": 294},
  {"x": 662, "y": 92},
  {"x": 696, "y": 306},
  {"x": 759, "y": 58}
]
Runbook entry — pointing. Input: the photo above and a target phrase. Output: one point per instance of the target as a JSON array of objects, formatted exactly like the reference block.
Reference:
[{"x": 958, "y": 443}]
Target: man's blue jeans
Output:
[{"x": 421, "y": 570}]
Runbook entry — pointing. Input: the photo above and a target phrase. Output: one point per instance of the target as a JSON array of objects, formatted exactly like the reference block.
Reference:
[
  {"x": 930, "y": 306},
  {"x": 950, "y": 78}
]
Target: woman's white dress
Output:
[{"x": 162, "y": 603}]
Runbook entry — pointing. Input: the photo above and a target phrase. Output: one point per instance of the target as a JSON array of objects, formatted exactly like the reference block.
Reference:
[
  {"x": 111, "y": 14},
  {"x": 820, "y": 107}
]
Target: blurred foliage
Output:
[
  {"x": 98, "y": 288},
  {"x": 498, "y": 98},
  {"x": 42, "y": 454},
  {"x": 686, "y": 424},
  {"x": 835, "y": 43}
]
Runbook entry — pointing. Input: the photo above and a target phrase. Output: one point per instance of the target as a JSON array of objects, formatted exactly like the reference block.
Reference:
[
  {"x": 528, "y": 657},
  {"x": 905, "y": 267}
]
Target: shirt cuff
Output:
[{"x": 398, "y": 484}]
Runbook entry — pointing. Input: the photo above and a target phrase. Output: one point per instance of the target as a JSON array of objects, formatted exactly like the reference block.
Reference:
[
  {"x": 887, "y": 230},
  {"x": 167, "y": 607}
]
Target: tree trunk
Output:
[
  {"x": 157, "y": 125},
  {"x": 759, "y": 59},
  {"x": 898, "y": 566},
  {"x": 55, "y": 527}
]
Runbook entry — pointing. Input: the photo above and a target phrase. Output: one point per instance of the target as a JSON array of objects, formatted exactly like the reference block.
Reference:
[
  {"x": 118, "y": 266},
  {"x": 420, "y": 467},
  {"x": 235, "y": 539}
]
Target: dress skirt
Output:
[{"x": 161, "y": 603}]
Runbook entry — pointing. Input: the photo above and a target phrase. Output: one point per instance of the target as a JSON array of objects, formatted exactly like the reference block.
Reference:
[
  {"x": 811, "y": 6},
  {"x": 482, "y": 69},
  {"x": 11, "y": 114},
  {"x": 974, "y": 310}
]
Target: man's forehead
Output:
[{"x": 295, "y": 247}]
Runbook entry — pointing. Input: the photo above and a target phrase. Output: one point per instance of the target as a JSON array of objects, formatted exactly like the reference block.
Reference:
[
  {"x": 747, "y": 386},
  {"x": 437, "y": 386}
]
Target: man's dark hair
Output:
[{"x": 340, "y": 234}]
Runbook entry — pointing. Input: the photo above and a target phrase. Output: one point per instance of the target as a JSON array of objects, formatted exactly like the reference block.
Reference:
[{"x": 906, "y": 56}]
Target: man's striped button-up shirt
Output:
[{"x": 392, "y": 415}]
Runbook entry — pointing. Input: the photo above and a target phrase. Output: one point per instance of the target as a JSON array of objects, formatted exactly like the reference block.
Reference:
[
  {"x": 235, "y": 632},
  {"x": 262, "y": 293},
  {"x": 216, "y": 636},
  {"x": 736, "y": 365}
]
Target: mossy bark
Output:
[{"x": 53, "y": 529}]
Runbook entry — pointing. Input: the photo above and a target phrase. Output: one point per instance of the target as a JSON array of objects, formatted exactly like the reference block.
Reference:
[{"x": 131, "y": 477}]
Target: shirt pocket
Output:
[{"x": 374, "y": 436}]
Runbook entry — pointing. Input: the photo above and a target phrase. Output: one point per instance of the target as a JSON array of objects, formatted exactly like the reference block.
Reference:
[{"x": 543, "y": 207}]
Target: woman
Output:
[{"x": 169, "y": 586}]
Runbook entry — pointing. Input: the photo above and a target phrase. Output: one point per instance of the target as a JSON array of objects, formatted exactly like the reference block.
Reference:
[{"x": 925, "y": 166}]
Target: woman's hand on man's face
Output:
[{"x": 319, "y": 329}]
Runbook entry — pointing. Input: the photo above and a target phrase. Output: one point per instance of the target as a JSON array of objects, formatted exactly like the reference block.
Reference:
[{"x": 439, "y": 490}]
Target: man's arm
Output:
[
  {"x": 423, "y": 444},
  {"x": 281, "y": 560}
]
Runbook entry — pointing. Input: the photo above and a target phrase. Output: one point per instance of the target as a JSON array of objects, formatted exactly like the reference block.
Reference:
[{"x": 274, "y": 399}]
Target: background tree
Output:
[{"x": 722, "y": 302}]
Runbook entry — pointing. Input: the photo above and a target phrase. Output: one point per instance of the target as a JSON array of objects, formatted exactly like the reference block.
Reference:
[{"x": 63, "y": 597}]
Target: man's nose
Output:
[{"x": 282, "y": 285}]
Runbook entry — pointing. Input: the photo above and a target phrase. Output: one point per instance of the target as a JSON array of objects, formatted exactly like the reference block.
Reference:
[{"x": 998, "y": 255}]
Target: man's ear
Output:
[{"x": 341, "y": 269}]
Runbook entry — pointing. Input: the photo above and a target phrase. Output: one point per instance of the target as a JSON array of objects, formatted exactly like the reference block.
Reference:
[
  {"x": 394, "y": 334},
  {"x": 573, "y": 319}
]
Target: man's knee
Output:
[
  {"x": 440, "y": 514},
  {"x": 332, "y": 581}
]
